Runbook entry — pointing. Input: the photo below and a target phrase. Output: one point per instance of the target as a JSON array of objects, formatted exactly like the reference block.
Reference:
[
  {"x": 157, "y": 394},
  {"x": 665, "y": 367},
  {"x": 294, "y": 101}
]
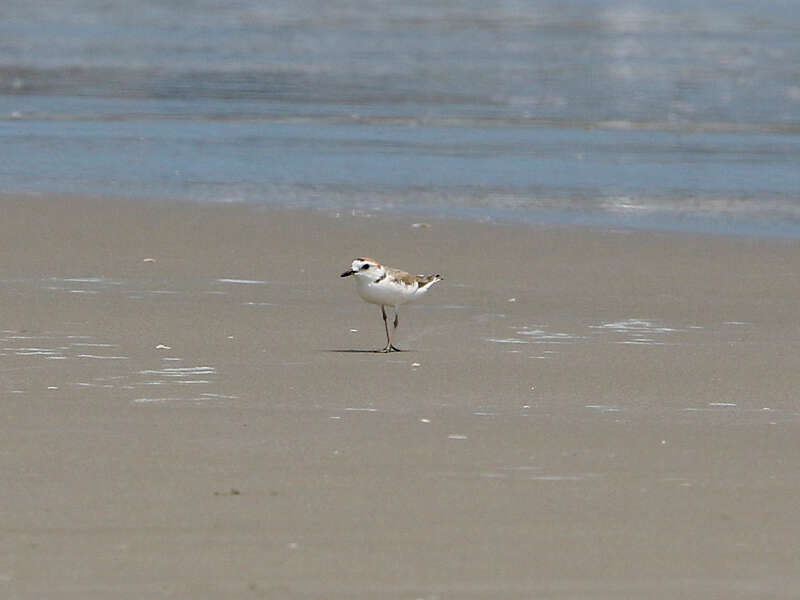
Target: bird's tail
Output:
[{"x": 426, "y": 281}]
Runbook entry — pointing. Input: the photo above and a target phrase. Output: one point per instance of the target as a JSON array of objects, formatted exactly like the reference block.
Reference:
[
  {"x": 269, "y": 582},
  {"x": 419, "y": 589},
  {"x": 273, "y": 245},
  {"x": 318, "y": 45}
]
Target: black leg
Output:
[
  {"x": 388, "y": 347},
  {"x": 396, "y": 323}
]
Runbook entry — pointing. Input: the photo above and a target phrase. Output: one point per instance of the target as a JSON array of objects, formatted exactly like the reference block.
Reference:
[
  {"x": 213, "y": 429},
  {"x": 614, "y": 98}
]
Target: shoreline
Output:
[
  {"x": 190, "y": 408},
  {"x": 654, "y": 221}
]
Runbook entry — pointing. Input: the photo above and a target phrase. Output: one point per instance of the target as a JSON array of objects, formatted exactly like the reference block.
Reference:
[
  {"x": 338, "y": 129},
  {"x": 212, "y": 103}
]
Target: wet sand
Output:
[{"x": 581, "y": 413}]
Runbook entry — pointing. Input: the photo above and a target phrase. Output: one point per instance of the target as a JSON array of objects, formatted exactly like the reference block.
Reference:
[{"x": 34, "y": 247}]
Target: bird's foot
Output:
[{"x": 390, "y": 348}]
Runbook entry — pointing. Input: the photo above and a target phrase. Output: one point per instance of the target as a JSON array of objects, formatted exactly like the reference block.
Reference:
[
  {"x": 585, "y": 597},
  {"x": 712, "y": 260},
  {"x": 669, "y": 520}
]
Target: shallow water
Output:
[{"x": 646, "y": 114}]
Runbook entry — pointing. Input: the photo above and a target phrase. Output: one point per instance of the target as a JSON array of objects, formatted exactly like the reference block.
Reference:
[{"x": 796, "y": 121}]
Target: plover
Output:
[{"x": 386, "y": 286}]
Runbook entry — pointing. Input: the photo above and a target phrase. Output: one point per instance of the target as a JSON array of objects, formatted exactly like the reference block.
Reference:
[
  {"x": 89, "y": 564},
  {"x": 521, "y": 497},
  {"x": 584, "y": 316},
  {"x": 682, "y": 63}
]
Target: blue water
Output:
[{"x": 668, "y": 115}]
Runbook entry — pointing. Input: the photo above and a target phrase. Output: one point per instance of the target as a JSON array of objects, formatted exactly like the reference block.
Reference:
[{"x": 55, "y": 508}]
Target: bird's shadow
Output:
[{"x": 360, "y": 351}]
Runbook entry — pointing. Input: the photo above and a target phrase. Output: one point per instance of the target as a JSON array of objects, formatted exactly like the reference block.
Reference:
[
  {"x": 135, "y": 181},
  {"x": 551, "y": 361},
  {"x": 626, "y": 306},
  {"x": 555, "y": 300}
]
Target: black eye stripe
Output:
[{"x": 364, "y": 267}]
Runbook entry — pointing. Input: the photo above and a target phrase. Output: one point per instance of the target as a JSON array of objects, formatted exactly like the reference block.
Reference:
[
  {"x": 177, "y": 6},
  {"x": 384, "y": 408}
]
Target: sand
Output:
[{"x": 190, "y": 409}]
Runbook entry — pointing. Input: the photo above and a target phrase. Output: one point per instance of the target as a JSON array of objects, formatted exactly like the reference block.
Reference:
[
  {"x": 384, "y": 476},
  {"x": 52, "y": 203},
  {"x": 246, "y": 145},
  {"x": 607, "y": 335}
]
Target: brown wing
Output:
[
  {"x": 401, "y": 276},
  {"x": 408, "y": 278}
]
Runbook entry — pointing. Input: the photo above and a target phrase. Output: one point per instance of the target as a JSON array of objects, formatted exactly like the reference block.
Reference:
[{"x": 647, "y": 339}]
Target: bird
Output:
[{"x": 386, "y": 286}]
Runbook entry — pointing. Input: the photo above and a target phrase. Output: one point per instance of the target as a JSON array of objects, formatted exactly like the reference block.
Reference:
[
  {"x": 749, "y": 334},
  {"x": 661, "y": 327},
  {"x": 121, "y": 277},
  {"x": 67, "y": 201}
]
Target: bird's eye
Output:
[{"x": 364, "y": 267}]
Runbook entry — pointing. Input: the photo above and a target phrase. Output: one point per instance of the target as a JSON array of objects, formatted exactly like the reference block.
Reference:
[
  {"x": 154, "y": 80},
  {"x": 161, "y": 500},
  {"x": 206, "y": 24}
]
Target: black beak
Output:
[{"x": 347, "y": 273}]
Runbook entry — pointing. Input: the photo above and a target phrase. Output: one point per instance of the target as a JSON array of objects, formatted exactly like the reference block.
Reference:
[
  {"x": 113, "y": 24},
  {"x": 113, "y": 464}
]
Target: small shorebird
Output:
[{"x": 386, "y": 286}]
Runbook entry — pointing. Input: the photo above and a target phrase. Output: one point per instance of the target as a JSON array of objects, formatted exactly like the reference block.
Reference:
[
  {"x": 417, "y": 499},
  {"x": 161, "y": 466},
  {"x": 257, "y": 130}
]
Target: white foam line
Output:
[
  {"x": 179, "y": 371},
  {"x": 243, "y": 281},
  {"x": 103, "y": 357},
  {"x": 168, "y": 399},
  {"x": 603, "y": 407},
  {"x": 635, "y": 325},
  {"x": 87, "y": 280},
  {"x": 37, "y": 349},
  {"x": 543, "y": 335},
  {"x": 355, "y": 409}
]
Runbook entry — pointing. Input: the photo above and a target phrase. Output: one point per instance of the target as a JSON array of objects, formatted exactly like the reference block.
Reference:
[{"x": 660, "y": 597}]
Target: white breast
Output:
[{"x": 386, "y": 291}]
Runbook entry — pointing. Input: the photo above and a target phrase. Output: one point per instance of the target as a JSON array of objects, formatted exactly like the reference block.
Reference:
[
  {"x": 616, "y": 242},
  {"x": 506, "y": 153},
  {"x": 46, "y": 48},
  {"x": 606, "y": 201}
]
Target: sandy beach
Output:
[{"x": 190, "y": 409}]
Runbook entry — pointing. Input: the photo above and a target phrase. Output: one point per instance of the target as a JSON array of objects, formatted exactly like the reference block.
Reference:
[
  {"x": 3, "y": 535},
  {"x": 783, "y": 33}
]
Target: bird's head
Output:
[{"x": 365, "y": 267}]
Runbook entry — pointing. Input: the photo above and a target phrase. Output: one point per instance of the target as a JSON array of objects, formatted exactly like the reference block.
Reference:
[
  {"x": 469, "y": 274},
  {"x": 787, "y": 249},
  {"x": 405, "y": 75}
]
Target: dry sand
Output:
[{"x": 594, "y": 414}]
